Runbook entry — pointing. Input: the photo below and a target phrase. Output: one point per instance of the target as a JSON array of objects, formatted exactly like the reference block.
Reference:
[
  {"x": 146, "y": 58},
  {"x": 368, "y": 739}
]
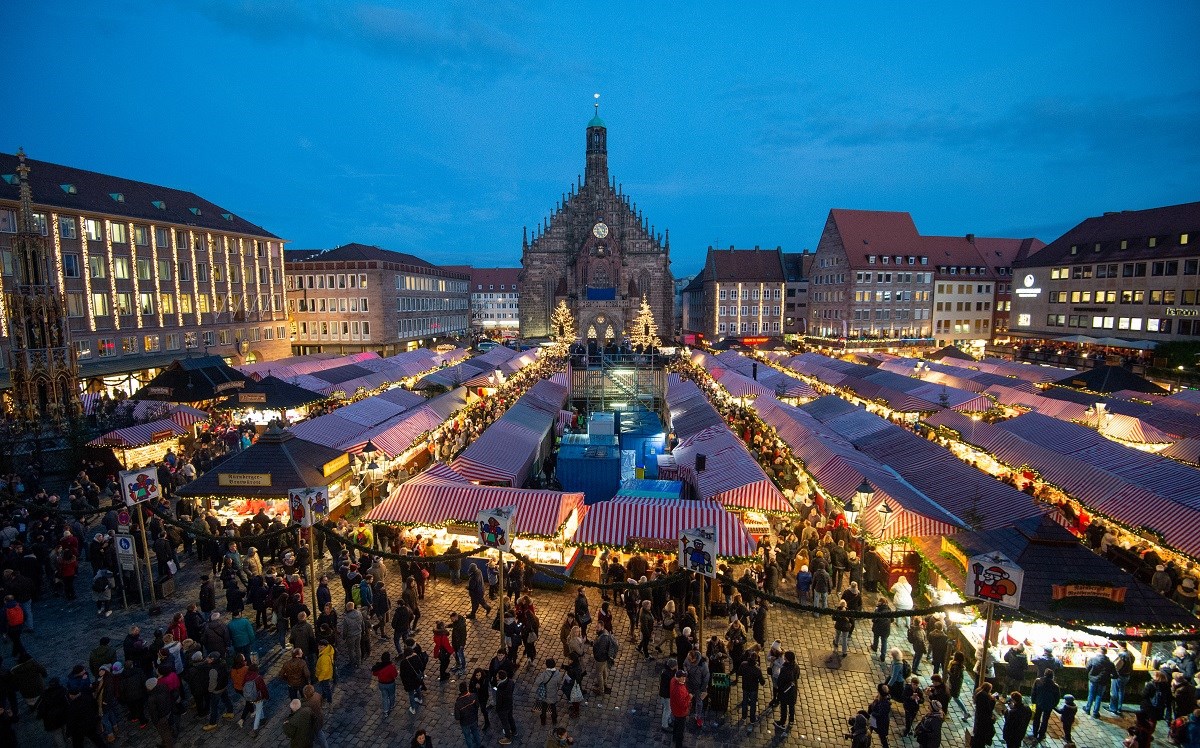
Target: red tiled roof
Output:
[
  {"x": 1135, "y": 227},
  {"x": 875, "y": 232},
  {"x": 745, "y": 265},
  {"x": 501, "y": 279}
]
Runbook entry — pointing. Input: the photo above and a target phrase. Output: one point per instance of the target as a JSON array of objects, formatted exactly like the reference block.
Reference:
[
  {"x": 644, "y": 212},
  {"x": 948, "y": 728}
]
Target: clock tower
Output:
[{"x": 597, "y": 252}]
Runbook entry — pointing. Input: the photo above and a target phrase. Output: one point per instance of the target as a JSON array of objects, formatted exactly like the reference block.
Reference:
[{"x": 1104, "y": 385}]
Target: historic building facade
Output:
[
  {"x": 148, "y": 273},
  {"x": 738, "y": 294},
  {"x": 359, "y": 297},
  {"x": 599, "y": 254}
]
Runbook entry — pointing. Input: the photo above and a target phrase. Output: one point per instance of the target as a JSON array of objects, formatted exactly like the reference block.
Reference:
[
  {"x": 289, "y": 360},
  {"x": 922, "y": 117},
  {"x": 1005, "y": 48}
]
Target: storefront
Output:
[
  {"x": 147, "y": 443},
  {"x": 441, "y": 504},
  {"x": 260, "y": 477},
  {"x": 1063, "y": 581}
]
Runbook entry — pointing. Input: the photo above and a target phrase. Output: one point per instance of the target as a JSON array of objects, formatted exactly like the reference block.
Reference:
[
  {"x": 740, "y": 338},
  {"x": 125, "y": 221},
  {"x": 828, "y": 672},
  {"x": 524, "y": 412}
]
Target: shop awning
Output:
[
  {"x": 270, "y": 393},
  {"x": 140, "y": 435},
  {"x": 739, "y": 385},
  {"x": 539, "y": 513},
  {"x": 624, "y": 521},
  {"x": 731, "y": 476},
  {"x": 1063, "y": 579},
  {"x": 278, "y": 461}
]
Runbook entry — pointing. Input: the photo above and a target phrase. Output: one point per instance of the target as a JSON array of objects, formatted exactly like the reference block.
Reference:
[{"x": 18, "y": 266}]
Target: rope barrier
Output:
[{"x": 419, "y": 560}]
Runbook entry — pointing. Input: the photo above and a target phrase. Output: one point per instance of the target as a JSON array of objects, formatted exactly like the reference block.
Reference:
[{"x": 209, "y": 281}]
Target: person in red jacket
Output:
[
  {"x": 681, "y": 705},
  {"x": 442, "y": 648}
]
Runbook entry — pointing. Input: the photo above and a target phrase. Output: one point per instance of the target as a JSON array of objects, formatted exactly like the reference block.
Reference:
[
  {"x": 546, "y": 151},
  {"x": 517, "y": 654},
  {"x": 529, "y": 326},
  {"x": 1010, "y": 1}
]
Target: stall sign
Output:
[
  {"x": 252, "y": 397},
  {"x": 1099, "y": 591},
  {"x": 139, "y": 485},
  {"x": 954, "y": 552},
  {"x": 697, "y": 548},
  {"x": 495, "y": 527},
  {"x": 126, "y": 554},
  {"x": 229, "y": 386},
  {"x": 160, "y": 435},
  {"x": 335, "y": 465},
  {"x": 305, "y": 503},
  {"x": 244, "y": 480},
  {"x": 994, "y": 578},
  {"x": 663, "y": 545},
  {"x": 159, "y": 390}
]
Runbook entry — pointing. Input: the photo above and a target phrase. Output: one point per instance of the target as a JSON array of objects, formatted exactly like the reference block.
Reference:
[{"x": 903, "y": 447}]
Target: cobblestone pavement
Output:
[{"x": 66, "y": 632}]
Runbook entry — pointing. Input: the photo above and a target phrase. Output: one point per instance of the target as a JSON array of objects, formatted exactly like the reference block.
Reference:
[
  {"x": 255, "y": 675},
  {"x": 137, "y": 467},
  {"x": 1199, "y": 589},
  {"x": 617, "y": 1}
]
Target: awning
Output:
[
  {"x": 140, "y": 435},
  {"x": 624, "y": 521},
  {"x": 731, "y": 476},
  {"x": 539, "y": 513}
]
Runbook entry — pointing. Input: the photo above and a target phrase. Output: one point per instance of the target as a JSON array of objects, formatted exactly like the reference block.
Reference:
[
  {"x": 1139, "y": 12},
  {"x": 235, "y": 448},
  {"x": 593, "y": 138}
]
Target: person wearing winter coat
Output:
[
  {"x": 843, "y": 627},
  {"x": 881, "y": 629},
  {"x": 1017, "y": 716},
  {"x": 879, "y": 713},
  {"x": 160, "y": 708},
  {"x": 350, "y": 631},
  {"x": 547, "y": 688},
  {"x": 912, "y": 698},
  {"x": 983, "y": 729},
  {"x": 751, "y": 676},
  {"x": 1045, "y": 698},
  {"x": 929, "y": 729}
]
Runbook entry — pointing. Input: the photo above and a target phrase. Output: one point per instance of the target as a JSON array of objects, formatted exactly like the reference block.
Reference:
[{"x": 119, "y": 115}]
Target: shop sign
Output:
[
  {"x": 495, "y": 527},
  {"x": 160, "y": 435},
  {"x": 663, "y": 545},
  {"x": 158, "y": 390},
  {"x": 954, "y": 552},
  {"x": 126, "y": 554},
  {"x": 304, "y": 503},
  {"x": 139, "y": 485},
  {"x": 1099, "y": 591},
  {"x": 994, "y": 578},
  {"x": 223, "y": 386},
  {"x": 1028, "y": 291},
  {"x": 697, "y": 548},
  {"x": 754, "y": 341},
  {"x": 1173, "y": 311},
  {"x": 334, "y": 465},
  {"x": 244, "y": 480},
  {"x": 252, "y": 397}
]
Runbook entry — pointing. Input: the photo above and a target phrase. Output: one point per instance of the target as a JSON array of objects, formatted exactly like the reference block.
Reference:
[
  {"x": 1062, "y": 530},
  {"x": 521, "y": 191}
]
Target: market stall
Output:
[
  {"x": 193, "y": 380},
  {"x": 1063, "y": 580},
  {"x": 270, "y": 399},
  {"x": 512, "y": 448},
  {"x": 147, "y": 443},
  {"x": 633, "y": 524},
  {"x": 260, "y": 476},
  {"x": 442, "y": 504}
]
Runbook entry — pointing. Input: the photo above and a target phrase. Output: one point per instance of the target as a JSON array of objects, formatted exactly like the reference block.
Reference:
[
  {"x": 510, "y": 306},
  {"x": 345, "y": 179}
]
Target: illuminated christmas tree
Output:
[
  {"x": 562, "y": 326},
  {"x": 644, "y": 332}
]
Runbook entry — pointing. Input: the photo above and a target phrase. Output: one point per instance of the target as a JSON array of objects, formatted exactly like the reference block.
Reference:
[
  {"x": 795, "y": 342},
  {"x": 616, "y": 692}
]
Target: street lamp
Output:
[
  {"x": 886, "y": 513},
  {"x": 368, "y": 452},
  {"x": 860, "y": 500}
]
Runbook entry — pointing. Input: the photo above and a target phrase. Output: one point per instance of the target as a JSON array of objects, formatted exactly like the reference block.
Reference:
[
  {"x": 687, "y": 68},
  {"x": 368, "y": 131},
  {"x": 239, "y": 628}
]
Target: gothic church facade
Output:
[{"x": 599, "y": 254}]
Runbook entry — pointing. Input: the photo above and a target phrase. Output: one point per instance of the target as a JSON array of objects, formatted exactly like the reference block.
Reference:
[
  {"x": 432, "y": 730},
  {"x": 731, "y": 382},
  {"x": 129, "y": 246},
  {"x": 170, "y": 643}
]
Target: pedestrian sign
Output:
[{"x": 126, "y": 553}]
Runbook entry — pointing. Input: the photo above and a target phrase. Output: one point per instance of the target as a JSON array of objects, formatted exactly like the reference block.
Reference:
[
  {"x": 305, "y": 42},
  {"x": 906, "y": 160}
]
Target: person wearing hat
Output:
[
  {"x": 1066, "y": 715},
  {"x": 159, "y": 710},
  {"x": 1161, "y": 581},
  {"x": 681, "y": 705},
  {"x": 1185, "y": 594}
]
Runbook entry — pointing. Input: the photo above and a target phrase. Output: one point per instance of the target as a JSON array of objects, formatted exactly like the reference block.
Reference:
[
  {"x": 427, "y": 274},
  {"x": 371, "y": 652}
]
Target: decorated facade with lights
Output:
[{"x": 147, "y": 273}]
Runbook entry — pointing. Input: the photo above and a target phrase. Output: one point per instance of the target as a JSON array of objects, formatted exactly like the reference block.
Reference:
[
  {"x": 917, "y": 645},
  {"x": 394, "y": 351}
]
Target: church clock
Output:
[{"x": 600, "y": 230}]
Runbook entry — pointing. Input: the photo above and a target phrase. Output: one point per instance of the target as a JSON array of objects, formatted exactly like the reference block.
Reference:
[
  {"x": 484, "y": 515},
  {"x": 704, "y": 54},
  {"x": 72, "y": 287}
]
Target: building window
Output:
[
  {"x": 202, "y": 272},
  {"x": 117, "y": 232},
  {"x": 75, "y": 304},
  {"x": 146, "y": 303},
  {"x": 128, "y": 345},
  {"x": 121, "y": 268},
  {"x": 185, "y": 303},
  {"x": 91, "y": 228},
  {"x": 70, "y": 265},
  {"x": 208, "y": 338},
  {"x": 167, "y": 303},
  {"x": 143, "y": 269},
  {"x": 67, "y": 228},
  {"x": 99, "y": 305},
  {"x": 141, "y": 236},
  {"x": 124, "y": 303},
  {"x": 83, "y": 348},
  {"x": 106, "y": 347},
  {"x": 164, "y": 270},
  {"x": 151, "y": 343}
]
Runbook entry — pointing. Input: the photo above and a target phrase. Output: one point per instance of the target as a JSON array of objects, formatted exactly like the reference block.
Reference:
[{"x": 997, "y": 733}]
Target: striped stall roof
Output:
[
  {"x": 619, "y": 521},
  {"x": 1184, "y": 450},
  {"x": 139, "y": 435},
  {"x": 507, "y": 450},
  {"x": 739, "y": 385},
  {"x": 1134, "y": 430},
  {"x": 540, "y": 513},
  {"x": 438, "y": 473},
  {"x": 330, "y": 430},
  {"x": 731, "y": 476}
]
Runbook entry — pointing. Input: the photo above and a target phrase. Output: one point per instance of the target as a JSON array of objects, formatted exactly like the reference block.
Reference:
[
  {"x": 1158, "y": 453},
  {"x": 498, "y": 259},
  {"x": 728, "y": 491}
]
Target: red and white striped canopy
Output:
[
  {"x": 438, "y": 474},
  {"x": 731, "y": 476},
  {"x": 540, "y": 513},
  {"x": 139, "y": 435},
  {"x": 619, "y": 521}
]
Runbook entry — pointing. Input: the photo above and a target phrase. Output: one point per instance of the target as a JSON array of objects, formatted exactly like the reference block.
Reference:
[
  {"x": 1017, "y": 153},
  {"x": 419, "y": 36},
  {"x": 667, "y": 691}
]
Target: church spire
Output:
[{"x": 596, "y": 173}]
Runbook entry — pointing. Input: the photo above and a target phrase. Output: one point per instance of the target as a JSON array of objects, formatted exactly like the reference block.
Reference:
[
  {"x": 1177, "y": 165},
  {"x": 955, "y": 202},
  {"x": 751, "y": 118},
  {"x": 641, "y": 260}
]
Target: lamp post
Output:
[
  {"x": 372, "y": 469},
  {"x": 859, "y": 501}
]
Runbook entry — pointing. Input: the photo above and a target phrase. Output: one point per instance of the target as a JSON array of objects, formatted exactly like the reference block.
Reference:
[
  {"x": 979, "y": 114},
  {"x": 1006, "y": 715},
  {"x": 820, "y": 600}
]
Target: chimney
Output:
[
  {"x": 701, "y": 460},
  {"x": 971, "y": 238}
]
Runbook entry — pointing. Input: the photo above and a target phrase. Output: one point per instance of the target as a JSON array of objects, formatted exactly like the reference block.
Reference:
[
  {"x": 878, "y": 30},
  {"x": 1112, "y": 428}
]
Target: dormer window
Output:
[
  {"x": 1124, "y": 244},
  {"x": 159, "y": 204},
  {"x": 194, "y": 211},
  {"x": 1074, "y": 249},
  {"x": 70, "y": 189},
  {"x": 1183, "y": 239},
  {"x": 227, "y": 216},
  {"x": 11, "y": 178},
  {"x": 117, "y": 197},
  {"x": 870, "y": 259},
  {"x": 1153, "y": 241}
]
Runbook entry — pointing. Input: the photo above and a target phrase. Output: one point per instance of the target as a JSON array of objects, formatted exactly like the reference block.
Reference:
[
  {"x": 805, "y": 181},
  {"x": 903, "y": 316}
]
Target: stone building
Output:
[
  {"x": 149, "y": 274},
  {"x": 359, "y": 297},
  {"x": 598, "y": 252},
  {"x": 738, "y": 294},
  {"x": 495, "y": 302}
]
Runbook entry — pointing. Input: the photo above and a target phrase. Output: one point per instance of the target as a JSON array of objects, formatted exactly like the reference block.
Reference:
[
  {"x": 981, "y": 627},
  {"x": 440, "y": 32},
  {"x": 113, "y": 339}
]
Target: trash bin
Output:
[
  {"x": 718, "y": 696},
  {"x": 165, "y": 587}
]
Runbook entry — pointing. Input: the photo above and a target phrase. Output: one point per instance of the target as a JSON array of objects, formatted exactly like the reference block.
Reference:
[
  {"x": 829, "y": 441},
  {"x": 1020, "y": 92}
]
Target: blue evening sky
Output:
[{"x": 441, "y": 128}]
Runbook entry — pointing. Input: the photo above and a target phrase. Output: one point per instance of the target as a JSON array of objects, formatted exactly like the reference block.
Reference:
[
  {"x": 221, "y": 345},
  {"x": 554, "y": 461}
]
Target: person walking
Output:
[
  {"x": 385, "y": 675},
  {"x": 466, "y": 713},
  {"x": 256, "y": 693},
  {"x": 350, "y": 629},
  {"x": 504, "y": 707},
  {"x": 458, "y": 642},
  {"x": 412, "y": 674},
  {"x": 218, "y": 690},
  {"x": 160, "y": 711},
  {"x": 913, "y": 698},
  {"x": 300, "y": 726},
  {"x": 843, "y": 627},
  {"x": 1045, "y": 698},
  {"x": 323, "y": 673},
  {"x": 295, "y": 674},
  {"x": 681, "y": 706},
  {"x": 955, "y": 673},
  {"x": 645, "y": 628},
  {"x": 604, "y": 652},
  {"x": 983, "y": 729},
  {"x": 919, "y": 642},
  {"x": 879, "y": 713},
  {"x": 881, "y": 629},
  {"x": 1066, "y": 715},
  {"x": 929, "y": 729},
  {"x": 939, "y": 645}
]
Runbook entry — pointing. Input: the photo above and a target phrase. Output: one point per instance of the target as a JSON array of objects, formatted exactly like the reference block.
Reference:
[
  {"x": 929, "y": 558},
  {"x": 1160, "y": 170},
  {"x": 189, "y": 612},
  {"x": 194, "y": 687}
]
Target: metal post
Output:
[
  {"x": 312, "y": 568},
  {"x": 981, "y": 666},
  {"x": 501, "y": 576},
  {"x": 145, "y": 549},
  {"x": 700, "y": 615}
]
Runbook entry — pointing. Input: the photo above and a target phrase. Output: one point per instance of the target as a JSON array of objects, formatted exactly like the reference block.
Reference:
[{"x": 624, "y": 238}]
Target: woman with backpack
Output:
[
  {"x": 843, "y": 626},
  {"x": 254, "y": 691}
]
